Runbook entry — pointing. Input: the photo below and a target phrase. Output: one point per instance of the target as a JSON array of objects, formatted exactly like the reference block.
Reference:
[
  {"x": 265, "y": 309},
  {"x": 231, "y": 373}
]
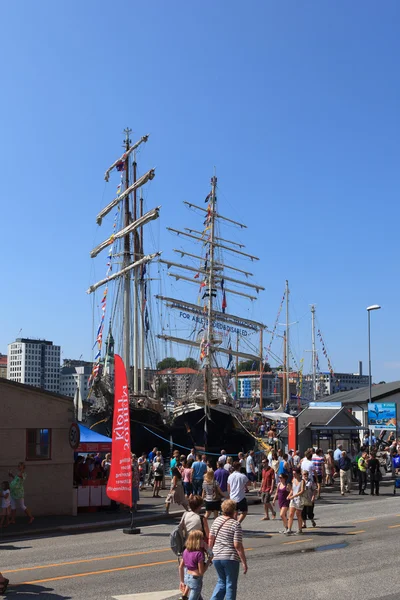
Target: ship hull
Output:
[
  {"x": 223, "y": 429},
  {"x": 146, "y": 427}
]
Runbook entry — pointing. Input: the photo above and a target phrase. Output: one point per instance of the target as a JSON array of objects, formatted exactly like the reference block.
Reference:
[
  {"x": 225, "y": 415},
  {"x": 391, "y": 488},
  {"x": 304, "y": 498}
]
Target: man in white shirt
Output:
[
  {"x": 251, "y": 469},
  {"x": 308, "y": 465},
  {"x": 192, "y": 455},
  {"x": 237, "y": 484},
  {"x": 223, "y": 457}
]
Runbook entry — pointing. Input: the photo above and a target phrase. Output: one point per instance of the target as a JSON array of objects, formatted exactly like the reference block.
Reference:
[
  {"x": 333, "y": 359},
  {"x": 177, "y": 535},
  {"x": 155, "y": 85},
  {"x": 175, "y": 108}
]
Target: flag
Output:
[
  {"x": 208, "y": 197},
  {"x": 120, "y": 166},
  {"x": 224, "y": 304},
  {"x": 197, "y": 275},
  {"x": 118, "y": 189},
  {"x": 119, "y": 485}
]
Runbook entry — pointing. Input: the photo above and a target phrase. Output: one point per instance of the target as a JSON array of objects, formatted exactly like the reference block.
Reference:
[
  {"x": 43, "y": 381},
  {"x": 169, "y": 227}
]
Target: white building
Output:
[
  {"x": 328, "y": 384},
  {"x": 34, "y": 362},
  {"x": 249, "y": 388},
  {"x": 75, "y": 374}
]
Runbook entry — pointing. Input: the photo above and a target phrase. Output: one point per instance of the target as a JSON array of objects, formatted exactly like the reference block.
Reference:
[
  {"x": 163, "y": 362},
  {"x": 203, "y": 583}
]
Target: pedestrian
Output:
[
  {"x": 336, "y": 457},
  {"x": 193, "y": 566},
  {"x": 176, "y": 494},
  {"x": 237, "y": 485},
  {"x": 142, "y": 466},
  {"x": 251, "y": 469},
  {"x": 290, "y": 460},
  {"x": 267, "y": 488},
  {"x": 5, "y": 504},
  {"x": 319, "y": 469},
  {"x": 275, "y": 462},
  {"x": 308, "y": 500},
  {"x": 17, "y": 493},
  {"x": 296, "y": 459},
  {"x": 242, "y": 462},
  {"x": 174, "y": 461},
  {"x": 374, "y": 474},
  {"x": 226, "y": 542},
  {"x": 158, "y": 472},
  {"x": 151, "y": 456},
  {"x": 345, "y": 473},
  {"x": 212, "y": 495},
  {"x": 193, "y": 520},
  {"x": 229, "y": 465},
  {"x": 282, "y": 492},
  {"x": 221, "y": 477},
  {"x": 296, "y": 502},
  {"x": 223, "y": 457},
  {"x": 307, "y": 464},
  {"x": 329, "y": 468},
  {"x": 192, "y": 455},
  {"x": 135, "y": 482},
  {"x": 284, "y": 467},
  {"x": 362, "y": 474},
  {"x": 199, "y": 468},
  {"x": 187, "y": 474}
]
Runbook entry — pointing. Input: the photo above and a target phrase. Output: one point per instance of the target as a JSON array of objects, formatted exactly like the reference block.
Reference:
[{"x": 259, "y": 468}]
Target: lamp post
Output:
[{"x": 369, "y": 309}]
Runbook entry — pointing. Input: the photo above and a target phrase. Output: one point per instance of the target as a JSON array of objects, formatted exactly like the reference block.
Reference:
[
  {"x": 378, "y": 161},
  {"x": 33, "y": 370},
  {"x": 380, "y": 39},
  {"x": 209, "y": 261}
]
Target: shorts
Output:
[
  {"x": 318, "y": 477},
  {"x": 17, "y": 502},
  {"x": 265, "y": 497},
  {"x": 251, "y": 476},
  {"x": 187, "y": 487},
  {"x": 158, "y": 477},
  {"x": 242, "y": 506},
  {"x": 214, "y": 505},
  {"x": 296, "y": 504}
]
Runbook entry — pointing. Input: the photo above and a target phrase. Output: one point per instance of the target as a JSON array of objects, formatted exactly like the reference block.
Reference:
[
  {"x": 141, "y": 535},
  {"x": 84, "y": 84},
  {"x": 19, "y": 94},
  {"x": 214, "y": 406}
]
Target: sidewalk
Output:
[{"x": 151, "y": 510}]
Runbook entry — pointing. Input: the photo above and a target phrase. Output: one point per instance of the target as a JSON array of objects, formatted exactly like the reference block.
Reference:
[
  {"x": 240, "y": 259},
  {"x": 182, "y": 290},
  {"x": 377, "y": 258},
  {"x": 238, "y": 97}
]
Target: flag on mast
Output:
[{"x": 119, "y": 486}]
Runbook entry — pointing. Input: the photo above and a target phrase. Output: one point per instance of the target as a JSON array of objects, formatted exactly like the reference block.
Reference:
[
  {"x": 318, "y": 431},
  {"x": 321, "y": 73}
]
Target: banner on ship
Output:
[{"x": 119, "y": 486}]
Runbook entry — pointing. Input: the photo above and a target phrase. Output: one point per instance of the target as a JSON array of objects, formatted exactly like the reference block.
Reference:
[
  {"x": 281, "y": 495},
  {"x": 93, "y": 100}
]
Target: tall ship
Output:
[
  {"x": 124, "y": 317},
  {"x": 208, "y": 414}
]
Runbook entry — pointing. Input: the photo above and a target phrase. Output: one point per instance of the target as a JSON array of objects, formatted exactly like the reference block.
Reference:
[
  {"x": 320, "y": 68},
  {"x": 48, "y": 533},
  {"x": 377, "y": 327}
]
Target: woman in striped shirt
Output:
[{"x": 226, "y": 541}]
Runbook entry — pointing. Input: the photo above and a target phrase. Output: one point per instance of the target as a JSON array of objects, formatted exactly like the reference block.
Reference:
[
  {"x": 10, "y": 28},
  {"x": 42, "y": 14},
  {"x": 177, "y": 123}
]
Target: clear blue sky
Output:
[{"x": 296, "y": 104}]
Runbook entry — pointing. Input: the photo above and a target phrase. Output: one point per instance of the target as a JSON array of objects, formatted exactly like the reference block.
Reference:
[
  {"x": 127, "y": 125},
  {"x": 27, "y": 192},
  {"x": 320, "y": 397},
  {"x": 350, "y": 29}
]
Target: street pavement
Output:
[{"x": 351, "y": 554}]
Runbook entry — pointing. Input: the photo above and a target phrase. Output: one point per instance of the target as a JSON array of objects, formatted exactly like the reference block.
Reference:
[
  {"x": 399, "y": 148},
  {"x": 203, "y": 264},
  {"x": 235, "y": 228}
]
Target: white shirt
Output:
[
  {"x": 249, "y": 464},
  {"x": 5, "y": 498},
  {"x": 308, "y": 465},
  {"x": 191, "y": 457},
  {"x": 222, "y": 458},
  {"x": 237, "y": 483}
]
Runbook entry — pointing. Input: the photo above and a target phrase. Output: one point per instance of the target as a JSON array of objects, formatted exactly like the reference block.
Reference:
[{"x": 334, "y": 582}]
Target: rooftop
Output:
[{"x": 361, "y": 395}]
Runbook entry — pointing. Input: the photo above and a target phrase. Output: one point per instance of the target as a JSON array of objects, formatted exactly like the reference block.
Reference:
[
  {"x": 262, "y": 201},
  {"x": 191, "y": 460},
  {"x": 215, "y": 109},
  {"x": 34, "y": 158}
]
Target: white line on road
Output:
[{"x": 149, "y": 595}]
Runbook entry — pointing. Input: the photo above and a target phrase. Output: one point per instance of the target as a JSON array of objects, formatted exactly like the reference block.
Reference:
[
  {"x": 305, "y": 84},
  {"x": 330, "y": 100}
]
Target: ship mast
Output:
[
  {"x": 314, "y": 354},
  {"x": 126, "y": 335},
  {"x": 211, "y": 293},
  {"x": 287, "y": 350}
]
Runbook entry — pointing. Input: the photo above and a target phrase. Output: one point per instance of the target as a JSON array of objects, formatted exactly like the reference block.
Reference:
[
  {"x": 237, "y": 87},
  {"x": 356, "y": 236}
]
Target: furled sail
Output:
[
  {"x": 141, "y": 181},
  {"x": 125, "y": 156}
]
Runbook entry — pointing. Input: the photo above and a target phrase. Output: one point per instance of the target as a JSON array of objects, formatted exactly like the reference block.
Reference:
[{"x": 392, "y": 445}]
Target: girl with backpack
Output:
[
  {"x": 309, "y": 499},
  {"x": 212, "y": 494}
]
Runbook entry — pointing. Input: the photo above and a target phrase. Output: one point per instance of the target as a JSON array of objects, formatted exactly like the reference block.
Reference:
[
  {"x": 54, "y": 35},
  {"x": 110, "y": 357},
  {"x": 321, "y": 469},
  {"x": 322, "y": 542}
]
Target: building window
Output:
[{"x": 38, "y": 444}]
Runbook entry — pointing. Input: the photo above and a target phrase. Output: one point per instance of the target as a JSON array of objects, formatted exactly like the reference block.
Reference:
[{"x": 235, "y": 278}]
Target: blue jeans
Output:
[
  {"x": 187, "y": 486},
  {"x": 195, "y": 584},
  {"x": 228, "y": 573},
  {"x": 197, "y": 487}
]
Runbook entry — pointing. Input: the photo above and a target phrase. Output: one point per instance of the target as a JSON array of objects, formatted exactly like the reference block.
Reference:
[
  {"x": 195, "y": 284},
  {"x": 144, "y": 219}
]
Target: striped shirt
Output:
[
  {"x": 318, "y": 462},
  {"x": 226, "y": 532}
]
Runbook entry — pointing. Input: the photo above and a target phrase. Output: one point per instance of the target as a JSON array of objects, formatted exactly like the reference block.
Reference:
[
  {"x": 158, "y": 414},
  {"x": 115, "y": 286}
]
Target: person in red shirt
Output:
[{"x": 267, "y": 487}]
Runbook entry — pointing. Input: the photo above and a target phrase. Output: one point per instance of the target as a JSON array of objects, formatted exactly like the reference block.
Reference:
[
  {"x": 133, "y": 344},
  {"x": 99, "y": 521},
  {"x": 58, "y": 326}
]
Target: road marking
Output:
[
  {"x": 164, "y": 562},
  {"x": 87, "y": 560},
  {"x": 355, "y": 532},
  {"x": 393, "y": 526},
  {"x": 298, "y": 541},
  {"x": 365, "y": 520},
  {"x": 149, "y": 595}
]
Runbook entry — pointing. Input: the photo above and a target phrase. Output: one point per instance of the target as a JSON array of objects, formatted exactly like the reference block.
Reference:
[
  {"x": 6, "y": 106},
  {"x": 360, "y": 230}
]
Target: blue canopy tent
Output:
[{"x": 91, "y": 441}]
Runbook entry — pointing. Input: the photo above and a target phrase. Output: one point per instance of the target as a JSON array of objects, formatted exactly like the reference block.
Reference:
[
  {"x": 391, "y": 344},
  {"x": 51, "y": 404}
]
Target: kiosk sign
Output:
[{"x": 382, "y": 415}]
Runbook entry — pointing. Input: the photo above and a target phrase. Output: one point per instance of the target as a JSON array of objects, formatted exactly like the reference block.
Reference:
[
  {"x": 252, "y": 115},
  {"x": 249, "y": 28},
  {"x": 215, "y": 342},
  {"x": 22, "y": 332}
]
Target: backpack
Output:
[
  {"x": 177, "y": 541},
  {"x": 159, "y": 469}
]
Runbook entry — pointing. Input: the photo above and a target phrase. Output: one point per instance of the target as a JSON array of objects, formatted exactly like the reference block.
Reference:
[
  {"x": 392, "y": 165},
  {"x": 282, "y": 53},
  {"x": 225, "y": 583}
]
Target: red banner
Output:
[
  {"x": 292, "y": 433},
  {"x": 119, "y": 486}
]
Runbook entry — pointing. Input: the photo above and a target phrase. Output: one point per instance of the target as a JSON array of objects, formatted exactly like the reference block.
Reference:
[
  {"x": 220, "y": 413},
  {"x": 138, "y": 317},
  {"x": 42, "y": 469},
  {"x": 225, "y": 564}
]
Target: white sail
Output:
[
  {"x": 125, "y": 156},
  {"x": 138, "y": 263},
  {"x": 141, "y": 181}
]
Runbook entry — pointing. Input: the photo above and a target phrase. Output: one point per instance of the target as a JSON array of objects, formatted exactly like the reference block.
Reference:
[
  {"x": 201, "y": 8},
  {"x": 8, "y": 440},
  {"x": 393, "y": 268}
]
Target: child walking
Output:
[
  {"x": 5, "y": 504},
  {"x": 192, "y": 567}
]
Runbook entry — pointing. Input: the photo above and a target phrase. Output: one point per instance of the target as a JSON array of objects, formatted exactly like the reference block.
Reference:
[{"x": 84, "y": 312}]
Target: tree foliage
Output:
[
  {"x": 172, "y": 363},
  {"x": 252, "y": 365}
]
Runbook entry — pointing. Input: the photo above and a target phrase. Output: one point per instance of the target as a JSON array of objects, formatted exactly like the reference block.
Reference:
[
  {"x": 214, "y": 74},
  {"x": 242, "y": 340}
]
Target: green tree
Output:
[
  {"x": 252, "y": 365},
  {"x": 167, "y": 363},
  {"x": 189, "y": 362},
  {"x": 164, "y": 390}
]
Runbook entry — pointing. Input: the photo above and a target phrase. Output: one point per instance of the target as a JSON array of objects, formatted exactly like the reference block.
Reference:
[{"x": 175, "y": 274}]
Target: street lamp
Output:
[{"x": 369, "y": 308}]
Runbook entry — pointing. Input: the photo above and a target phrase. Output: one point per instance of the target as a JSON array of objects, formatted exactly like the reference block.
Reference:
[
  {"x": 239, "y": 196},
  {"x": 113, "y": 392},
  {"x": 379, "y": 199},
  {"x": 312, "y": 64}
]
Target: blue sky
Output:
[{"x": 295, "y": 104}]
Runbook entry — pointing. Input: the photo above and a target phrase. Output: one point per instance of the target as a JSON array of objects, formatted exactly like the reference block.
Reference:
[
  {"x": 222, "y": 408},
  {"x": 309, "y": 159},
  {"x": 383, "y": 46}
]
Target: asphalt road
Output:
[{"x": 352, "y": 554}]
